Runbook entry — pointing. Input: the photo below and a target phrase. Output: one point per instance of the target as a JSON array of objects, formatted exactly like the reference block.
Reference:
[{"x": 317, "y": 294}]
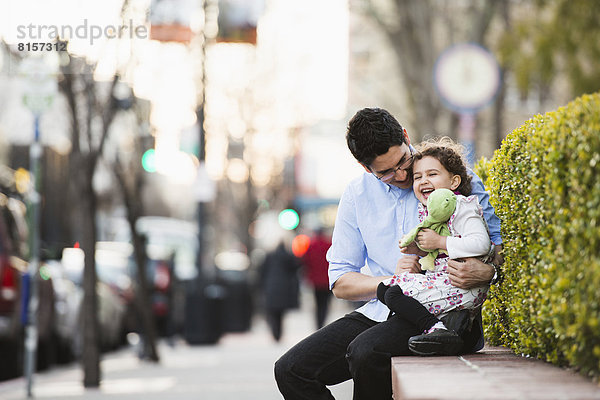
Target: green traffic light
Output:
[
  {"x": 288, "y": 219},
  {"x": 149, "y": 161},
  {"x": 44, "y": 273}
]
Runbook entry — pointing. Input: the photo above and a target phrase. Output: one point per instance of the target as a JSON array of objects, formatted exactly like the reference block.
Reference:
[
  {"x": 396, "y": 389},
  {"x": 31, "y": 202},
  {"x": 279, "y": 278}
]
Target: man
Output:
[{"x": 375, "y": 211}]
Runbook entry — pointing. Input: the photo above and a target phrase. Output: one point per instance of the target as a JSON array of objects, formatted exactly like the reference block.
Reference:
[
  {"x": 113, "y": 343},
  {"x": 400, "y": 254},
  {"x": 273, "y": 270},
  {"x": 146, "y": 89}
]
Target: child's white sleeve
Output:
[{"x": 471, "y": 238}]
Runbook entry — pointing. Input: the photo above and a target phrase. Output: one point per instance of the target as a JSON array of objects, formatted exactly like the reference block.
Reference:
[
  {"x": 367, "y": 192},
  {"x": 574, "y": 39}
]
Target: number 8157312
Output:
[{"x": 42, "y": 46}]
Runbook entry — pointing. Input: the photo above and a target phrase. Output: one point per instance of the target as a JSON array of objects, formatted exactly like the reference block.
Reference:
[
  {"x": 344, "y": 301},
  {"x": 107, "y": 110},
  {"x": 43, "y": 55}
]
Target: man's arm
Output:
[
  {"x": 492, "y": 220},
  {"x": 348, "y": 254},
  {"x": 357, "y": 286},
  {"x": 471, "y": 272}
]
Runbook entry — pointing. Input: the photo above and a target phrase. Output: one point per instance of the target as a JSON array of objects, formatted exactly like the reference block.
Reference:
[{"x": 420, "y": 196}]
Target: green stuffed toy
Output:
[{"x": 441, "y": 204}]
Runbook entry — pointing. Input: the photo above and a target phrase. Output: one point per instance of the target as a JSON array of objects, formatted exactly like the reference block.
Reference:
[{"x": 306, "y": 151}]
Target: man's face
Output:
[{"x": 393, "y": 167}]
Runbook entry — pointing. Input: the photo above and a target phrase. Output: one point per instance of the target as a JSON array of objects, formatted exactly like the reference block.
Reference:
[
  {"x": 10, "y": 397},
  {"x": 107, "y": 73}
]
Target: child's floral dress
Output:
[{"x": 469, "y": 238}]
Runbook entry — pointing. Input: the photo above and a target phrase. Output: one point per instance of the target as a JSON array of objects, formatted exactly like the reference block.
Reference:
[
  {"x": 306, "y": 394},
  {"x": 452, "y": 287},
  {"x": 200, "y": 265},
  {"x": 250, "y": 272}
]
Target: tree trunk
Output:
[
  {"x": 91, "y": 348},
  {"x": 499, "y": 106},
  {"x": 142, "y": 295},
  {"x": 411, "y": 37},
  {"x": 499, "y": 112},
  {"x": 81, "y": 94}
]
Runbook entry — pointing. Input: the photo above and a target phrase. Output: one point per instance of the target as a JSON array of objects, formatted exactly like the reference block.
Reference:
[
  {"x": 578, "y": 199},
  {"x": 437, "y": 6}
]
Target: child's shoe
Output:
[{"x": 438, "y": 342}]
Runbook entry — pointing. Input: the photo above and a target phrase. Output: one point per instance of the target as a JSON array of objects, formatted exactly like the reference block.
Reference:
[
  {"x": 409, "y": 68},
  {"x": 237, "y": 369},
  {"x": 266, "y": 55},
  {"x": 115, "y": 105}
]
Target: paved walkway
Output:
[{"x": 240, "y": 366}]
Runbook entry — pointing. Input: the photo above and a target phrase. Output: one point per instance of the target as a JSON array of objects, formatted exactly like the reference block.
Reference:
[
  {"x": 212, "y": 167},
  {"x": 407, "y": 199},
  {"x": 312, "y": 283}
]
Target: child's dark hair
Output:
[
  {"x": 371, "y": 132},
  {"x": 450, "y": 155}
]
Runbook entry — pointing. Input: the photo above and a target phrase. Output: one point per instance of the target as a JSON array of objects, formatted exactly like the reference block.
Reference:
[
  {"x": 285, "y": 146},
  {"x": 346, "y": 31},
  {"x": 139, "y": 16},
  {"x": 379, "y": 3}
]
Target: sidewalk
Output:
[{"x": 240, "y": 366}]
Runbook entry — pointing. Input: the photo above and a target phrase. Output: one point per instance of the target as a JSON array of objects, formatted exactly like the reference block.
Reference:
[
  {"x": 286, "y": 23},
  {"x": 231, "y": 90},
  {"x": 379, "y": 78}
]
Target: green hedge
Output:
[{"x": 544, "y": 183}]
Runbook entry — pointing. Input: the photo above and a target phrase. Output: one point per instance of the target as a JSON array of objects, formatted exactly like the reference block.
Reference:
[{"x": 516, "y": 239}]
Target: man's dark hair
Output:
[{"x": 371, "y": 132}]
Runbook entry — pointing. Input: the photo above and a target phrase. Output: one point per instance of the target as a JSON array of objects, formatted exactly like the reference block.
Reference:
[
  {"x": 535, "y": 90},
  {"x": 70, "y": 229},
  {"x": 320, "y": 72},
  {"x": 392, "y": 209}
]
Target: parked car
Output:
[
  {"x": 13, "y": 270},
  {"x": 114, "y": 265},
  {"x": 111, "y": 308},
  {"x": 68, "y": 299},
  {"x": 172, "y": 249}
]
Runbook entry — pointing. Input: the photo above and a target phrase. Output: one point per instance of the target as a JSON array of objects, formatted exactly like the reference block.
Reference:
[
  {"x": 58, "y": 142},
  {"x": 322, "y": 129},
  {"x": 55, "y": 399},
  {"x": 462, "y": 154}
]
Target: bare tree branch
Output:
[
  {"x": 108, "y": 112},
  {"x": 483, "y": 19}
]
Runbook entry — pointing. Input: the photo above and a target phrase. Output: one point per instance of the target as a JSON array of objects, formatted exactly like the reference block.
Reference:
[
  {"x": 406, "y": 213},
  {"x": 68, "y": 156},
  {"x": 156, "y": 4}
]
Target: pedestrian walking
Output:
[
  {"x": 280, "y": 286},
  {"x": 315, "y": 271}
]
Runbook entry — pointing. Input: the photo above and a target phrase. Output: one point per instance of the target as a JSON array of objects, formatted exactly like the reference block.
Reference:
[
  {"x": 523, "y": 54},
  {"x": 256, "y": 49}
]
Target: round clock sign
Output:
[{"x": 467, "y": 77}]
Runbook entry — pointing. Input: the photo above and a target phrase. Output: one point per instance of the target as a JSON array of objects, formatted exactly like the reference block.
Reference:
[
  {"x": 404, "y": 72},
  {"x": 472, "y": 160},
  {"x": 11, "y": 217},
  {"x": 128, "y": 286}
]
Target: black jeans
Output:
[
  {"x": 322, "y": 297},
  {"x": 353, "y": 347}
]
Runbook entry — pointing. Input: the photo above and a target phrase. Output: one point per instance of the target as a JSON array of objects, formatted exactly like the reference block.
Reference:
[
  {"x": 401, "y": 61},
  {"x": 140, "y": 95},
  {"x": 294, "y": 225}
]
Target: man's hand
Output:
[
  {"x": 498, "y": 256},
  {"x": 469, "y": 273},
  {"x": 430, "y": 240},
  {"x": 408, "y": 263}
]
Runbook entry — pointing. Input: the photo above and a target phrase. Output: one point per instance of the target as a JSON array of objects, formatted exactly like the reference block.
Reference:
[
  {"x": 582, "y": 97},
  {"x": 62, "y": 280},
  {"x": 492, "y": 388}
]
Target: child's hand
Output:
[
  {"x": 430, "y": 240},
  {"x": 412, "y": 248}
]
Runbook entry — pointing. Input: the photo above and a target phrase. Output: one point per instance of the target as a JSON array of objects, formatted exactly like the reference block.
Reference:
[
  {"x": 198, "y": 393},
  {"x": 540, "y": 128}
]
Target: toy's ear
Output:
[{"x": 455, "y": 182}]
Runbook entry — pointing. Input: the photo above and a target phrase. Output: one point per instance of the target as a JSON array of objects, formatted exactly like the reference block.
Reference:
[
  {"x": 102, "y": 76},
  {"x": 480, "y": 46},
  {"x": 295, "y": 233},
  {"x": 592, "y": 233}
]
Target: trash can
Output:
[
  {"x": 232, "y": 274},
  {"x": 203, "y": 309},
  {"x": 237, "y": 304}
]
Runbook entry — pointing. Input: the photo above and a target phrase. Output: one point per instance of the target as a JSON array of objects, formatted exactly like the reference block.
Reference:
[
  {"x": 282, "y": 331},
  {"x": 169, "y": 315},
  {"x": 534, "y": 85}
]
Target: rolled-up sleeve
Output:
[
  {"x": 347, "y": 252},
  {"x": 489, "y": 214}
]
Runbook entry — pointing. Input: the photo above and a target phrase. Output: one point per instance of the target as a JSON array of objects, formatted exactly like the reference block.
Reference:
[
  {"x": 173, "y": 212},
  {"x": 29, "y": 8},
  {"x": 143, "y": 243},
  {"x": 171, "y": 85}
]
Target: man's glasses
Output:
[{"x": 388, "y": 176}]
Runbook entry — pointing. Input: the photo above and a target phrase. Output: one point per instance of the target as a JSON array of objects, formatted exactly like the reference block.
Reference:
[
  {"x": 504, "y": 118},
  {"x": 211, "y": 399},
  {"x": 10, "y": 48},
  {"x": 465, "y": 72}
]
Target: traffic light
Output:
[
  {"x": 149, "y": 160},
  {"x": 288, "y": 219},
  {"x": 300, "y": 244}
]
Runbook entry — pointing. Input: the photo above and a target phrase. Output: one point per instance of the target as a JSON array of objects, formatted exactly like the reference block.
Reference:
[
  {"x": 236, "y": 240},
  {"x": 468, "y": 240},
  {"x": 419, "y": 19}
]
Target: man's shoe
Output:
[{"x": 441, "y": 342}]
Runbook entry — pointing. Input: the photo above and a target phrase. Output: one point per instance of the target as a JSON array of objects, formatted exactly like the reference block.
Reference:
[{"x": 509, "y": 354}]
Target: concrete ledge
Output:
[{"x": 492, "y": 373}]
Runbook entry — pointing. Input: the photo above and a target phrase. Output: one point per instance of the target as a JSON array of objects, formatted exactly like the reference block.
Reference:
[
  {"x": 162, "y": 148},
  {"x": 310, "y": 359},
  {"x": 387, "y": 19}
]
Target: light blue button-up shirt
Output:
[{"x": 372, "y": 217}]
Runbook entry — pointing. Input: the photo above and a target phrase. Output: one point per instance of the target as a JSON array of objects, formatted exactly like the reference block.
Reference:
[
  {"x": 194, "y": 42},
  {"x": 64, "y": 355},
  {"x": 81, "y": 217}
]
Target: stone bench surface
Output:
[{"x": 492, "y": 373}]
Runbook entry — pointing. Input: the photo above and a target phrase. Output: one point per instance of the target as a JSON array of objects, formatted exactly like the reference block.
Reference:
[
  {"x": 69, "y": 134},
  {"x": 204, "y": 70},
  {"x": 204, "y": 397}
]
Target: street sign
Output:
[
  {"x": 40, "y": 85},
  {"x": 466, "y": 77}
]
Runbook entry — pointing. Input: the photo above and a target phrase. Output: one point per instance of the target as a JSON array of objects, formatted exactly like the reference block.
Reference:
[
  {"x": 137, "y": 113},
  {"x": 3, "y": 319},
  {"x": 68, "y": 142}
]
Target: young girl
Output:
[{"x": 424, "y": 298}]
